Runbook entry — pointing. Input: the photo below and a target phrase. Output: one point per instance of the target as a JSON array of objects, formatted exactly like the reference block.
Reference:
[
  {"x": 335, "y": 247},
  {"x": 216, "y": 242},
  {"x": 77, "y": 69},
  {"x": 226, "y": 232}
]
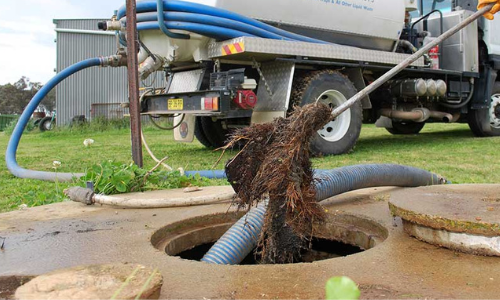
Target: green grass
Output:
[{"x": 450, "y": 150}]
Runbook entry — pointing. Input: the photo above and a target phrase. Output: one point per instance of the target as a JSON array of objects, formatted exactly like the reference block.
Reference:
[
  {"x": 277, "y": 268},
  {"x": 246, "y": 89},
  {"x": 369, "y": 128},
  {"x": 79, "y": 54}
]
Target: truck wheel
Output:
[
  {"x": 46, "y": 124},
  {"x": 214, "y": 132},
  {"x": 406, "y": 127},
  {"x": 332, "y": 88},
  {"x": 200, "y": 134},
  {"x": 493, "y": 114}
]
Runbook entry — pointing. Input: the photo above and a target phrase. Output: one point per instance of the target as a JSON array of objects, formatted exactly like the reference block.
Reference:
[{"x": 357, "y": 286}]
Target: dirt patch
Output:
[
  {"x": 275, "y": 165},
  {"x": 9, "y": 285},
  {"x": 370, "y": 291}
]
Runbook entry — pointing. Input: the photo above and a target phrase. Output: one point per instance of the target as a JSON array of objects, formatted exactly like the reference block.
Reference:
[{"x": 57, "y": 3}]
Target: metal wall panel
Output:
[
  {"x": 75, "y": 95},
  {"x": 84, "y": 24}
]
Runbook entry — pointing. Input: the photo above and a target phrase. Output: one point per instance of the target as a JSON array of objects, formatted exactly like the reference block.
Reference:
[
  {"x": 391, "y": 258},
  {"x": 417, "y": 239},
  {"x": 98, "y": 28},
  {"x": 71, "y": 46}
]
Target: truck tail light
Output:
[
  {"x": 215, "y": 103},
  {"x": 210, "y": 103}
]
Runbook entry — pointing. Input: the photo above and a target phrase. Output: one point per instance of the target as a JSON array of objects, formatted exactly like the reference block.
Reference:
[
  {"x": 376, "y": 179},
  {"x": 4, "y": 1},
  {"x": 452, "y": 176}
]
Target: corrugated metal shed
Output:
[{"x": 103, "y": 87}]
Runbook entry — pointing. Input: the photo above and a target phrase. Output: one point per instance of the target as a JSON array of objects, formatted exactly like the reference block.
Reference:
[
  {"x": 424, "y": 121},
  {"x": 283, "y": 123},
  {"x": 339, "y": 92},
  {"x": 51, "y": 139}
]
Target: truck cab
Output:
[{"x": 475, "y": 52}]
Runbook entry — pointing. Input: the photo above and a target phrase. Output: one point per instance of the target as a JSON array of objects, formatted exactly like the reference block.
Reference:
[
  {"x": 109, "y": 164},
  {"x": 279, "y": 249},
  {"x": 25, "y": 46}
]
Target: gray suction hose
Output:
[
  {"x": 342, "y": 180},
  {"x": 242, "y": 237}
]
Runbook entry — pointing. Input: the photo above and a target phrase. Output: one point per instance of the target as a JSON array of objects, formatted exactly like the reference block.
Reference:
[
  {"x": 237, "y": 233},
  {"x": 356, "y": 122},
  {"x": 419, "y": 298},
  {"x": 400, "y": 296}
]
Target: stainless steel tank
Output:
[{"x": 369, "y": 24}]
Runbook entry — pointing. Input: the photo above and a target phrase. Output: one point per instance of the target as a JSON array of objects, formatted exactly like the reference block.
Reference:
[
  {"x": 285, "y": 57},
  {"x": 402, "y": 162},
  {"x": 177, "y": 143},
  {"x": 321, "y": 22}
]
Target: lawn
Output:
[{"x": 450, "y": 150}]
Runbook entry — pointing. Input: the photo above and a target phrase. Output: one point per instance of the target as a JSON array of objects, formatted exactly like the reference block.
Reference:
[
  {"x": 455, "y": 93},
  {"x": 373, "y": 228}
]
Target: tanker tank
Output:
[
  {"x": 373, "y": 24},
  {"x": 368, "y": 24}
]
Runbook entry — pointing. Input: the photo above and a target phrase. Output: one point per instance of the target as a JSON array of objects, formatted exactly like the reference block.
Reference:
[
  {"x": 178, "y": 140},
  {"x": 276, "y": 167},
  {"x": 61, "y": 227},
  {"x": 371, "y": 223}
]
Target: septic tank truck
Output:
[{"x": 235, "y": 63}]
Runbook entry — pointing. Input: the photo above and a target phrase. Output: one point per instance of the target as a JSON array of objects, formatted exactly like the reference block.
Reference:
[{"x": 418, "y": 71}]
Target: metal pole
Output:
[
  {"x": 133, "y": 82},
  {"x": 407, "y": 62}
]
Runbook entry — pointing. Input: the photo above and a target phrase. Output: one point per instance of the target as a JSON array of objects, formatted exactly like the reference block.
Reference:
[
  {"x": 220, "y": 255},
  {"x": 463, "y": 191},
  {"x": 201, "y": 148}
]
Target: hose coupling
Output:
[
  {"x": 152, "y": 64},
  {"x": 118, "y": 60},
  {"x": 79, "y": 194},
  {"x": 113, "y": 25}
]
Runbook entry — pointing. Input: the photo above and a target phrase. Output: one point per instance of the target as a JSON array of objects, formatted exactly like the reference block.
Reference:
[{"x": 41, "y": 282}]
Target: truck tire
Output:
[
  {"x": 406, "y": 127},
  {"x": 332, "y": 88},
  {"x": 475, "y": 117},
  {"x": 214, "y": 132},
  {"x": 200, "y": 134},
  {"x": 46, "y": 124}
]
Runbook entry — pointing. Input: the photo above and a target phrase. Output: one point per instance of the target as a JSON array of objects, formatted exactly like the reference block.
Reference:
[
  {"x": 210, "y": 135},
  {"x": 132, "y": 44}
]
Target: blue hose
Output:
[
  {"x": 10, "y": 155},
  {"x": 242, "y": 237},
  {"x": 212, "y": 174},
  {"x": 239, "y": 240},
  {"x": 211, "y": 21},
  {"x": 219, "y": 33},
  {"x": 203, "y": 10},
  {"x": 163, "y": 27}
]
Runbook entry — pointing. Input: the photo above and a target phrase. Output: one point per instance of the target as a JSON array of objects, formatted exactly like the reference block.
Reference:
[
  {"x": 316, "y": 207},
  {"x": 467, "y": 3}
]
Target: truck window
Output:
[{"x": 430, "y": 5}]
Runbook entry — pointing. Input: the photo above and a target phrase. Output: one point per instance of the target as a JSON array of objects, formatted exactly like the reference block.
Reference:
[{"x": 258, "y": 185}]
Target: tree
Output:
[{"x": 15, "y": 97}]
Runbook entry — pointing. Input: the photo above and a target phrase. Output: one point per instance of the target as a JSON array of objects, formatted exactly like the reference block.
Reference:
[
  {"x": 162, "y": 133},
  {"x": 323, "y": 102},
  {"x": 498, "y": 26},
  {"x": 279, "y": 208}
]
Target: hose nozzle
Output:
[
  {"x": 152, "y": 64},
  {"x": 79, "y": 194},
  {"x": 112, "y": 25}
]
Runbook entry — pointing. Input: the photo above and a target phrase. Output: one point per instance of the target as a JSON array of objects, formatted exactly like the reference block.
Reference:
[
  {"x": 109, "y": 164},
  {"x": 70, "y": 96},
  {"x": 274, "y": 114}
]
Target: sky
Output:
[{"x": 27, "y": 36}]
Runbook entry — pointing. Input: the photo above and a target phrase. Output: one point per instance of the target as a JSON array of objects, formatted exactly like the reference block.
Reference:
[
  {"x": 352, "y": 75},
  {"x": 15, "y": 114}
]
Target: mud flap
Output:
[
  {"x": 185, "y": 132},
  {"x": 384, "y": 122},
  {"x": 273, "y": 102},
  {"x": 356, "y": 76},
  {"x": 482, "y": 97},
  {"x": 485, "y": 119},
  {"x": 185, "y": 82}
]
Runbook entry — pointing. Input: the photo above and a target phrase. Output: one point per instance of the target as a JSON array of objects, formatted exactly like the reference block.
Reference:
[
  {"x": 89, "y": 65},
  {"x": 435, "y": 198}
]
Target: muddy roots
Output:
[{"x": 275, "y": 165}]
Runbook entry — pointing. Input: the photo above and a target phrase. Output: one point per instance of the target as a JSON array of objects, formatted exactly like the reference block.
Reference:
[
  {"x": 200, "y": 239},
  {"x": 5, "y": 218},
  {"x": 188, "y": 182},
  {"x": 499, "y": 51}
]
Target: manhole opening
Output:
[
  {"x": 340, "y": 236},
  {"x": 321, "y": 249}
]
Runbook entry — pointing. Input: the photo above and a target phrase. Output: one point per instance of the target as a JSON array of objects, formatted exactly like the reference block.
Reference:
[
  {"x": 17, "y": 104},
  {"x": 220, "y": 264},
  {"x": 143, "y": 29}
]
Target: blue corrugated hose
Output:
[
  {"x": 239, "y": 240},
  {"x": 242, "y": 237}
]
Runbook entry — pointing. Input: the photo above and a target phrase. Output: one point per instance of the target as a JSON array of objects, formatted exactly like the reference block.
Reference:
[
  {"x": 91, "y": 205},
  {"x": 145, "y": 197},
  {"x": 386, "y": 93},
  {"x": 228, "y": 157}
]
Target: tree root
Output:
[{"x": 275, "y": 163}]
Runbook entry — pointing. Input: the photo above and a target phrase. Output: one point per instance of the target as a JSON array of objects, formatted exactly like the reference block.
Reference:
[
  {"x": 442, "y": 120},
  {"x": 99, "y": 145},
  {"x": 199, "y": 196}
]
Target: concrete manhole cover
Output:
[{"x": 461, "y": 218}]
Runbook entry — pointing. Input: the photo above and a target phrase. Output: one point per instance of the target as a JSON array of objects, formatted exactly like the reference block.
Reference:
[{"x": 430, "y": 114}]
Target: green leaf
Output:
[
  {"x": 96, "y": 169},
  {"x": 101, "y": 186},
  {"x": 124, "y": 175},
  {"x": 121, "y": 187},
  {"x": 342, "y": 288},
  {"x": 107, "y": 173}
]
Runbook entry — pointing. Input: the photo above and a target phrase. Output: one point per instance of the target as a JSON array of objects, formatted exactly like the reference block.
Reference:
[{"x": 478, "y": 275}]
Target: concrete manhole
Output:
[{"x": 341, "y": 235}]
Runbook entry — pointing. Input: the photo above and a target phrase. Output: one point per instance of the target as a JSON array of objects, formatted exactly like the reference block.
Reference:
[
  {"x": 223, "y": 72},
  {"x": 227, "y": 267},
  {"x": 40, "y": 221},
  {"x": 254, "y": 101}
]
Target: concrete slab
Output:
[
  {"x": 112, "y": 281},
  {"x": 471, "y": 209},
  {"x": 65, "y": 235}
]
